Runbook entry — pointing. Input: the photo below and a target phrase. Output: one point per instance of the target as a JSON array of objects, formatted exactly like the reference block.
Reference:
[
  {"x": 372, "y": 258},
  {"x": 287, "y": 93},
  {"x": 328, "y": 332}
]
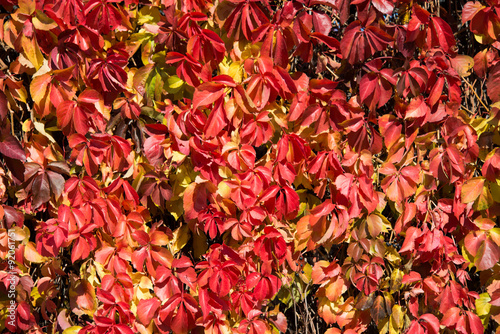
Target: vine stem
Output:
[{"x": 475, "y": 93}]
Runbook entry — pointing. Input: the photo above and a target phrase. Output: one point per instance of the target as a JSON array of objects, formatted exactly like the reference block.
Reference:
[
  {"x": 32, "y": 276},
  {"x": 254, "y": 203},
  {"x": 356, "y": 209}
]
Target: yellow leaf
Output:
[
  {"x": 148, "y": 14},
  {"x": 99, "y": 268},
  {"x": 142, "y": 286},
  {"x": 236, "y": 71},
  {"x": 40, "y": 127},
  {"x": 32, "y": 52},
  {"x": 72, "y": 330},
  {"x": 396, "y": 320},
  {"x": 175, "y": 208},
  {"x": 35, "y": 295},
  {"x": 27, "y": 6},
  {"x": 180, "y": 238},
  {"x": 467, "y": 256},
  {"x": 383, "y": 326},
  {"x": 145, "y": 282},
  {"x": 393, "y": 256},
  {"x": 225, "y": 172},
  {"x": 178, "y": 157},
  {"x": 494, "y": 234},
  {"x": 396, "y": 280},
  {"x": 89, "y": 272},
  {"x": 32, "y": 255},
  {"x": 307, "y": 275},
  {"x": 483, "y": 307},
  {"x": 223, "y": 190},
  {"x": 481, "y": 39},
  {"x": 42, "y": 22},
  {"x": 480, "y": 125},
  {"x": 462, "y": 64},
  {"x": 19, "y": 234}
]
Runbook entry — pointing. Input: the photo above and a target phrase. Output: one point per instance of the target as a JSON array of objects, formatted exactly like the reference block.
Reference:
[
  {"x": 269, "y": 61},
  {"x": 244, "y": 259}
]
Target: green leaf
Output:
[
  {"x": 174, "y": 84},
  {"x": 148, "y": 14},
  {"x": 484, "y": 201},
  {"x": 483, "y": 308},
  {"x": 495, "y": 191}
]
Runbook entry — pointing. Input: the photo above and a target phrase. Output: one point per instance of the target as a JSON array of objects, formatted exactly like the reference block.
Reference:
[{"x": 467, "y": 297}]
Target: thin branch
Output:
[{"x": 475, "y": 93}]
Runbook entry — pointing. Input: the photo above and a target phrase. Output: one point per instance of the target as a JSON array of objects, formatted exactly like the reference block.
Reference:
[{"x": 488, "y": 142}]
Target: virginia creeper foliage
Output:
[{"x": 247, "y": 166}]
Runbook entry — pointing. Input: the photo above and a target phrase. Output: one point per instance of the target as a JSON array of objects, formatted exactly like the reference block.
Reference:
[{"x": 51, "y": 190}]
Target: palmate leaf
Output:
[
  {"x": 186, "y": 310},
  {"x": 50, "y": 89},
  {"x": 243, "y": 18},
  {"x": 188, "y": 68},
  {"x": 87, "y": 112},
  {"x": 206, "y": 46},
  {"x": 103, "y": 16},
  {"x": 361, "y": 40},
  {"x": 70, "y": 12},
  {"x": 400, "y": 184},
  {"x": 109, "y": 72},
  {"x": 220, "y": 154},
  {"x": 435, "y": 33},
  {"x": 478, "y": 14},
  {"x": 375, "y": 87}
]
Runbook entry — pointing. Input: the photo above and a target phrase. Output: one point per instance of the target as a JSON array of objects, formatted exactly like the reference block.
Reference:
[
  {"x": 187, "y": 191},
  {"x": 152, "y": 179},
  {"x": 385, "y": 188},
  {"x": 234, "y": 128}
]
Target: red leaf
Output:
[
  {"x": 487, "y": 255},
  {"x": 470, "y": 9},
  {"x": 24, "y": 310},
  {"x": 378, "y": 309},
  {"x": 216, "y": 120},
  {"x": 146, "y": 310},
  {"x": 384, "y": 6},
  {"x": 475, "y": 323},
  {"x": 432, "y": 323},
  {"x": 450, "y": 318},
  {"x": 10, "y": 147},
  {"x": 207, "y": 93},
  {"x": 195, "y": 200},
  {"x": 442, "y": 35},
  {"x": 417, "y": 108},
  {"x": 493, "y": 83},
  {"x": 491, "y": 167},
  {"x": 102, "y": 16},
  {"x": 4, "y": 111},
  {"x": 41, "y": 190}
]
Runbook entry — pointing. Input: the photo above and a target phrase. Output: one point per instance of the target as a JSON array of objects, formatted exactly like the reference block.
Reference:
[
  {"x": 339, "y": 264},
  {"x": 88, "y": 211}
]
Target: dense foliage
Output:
[{"x": 249, "y": 166}]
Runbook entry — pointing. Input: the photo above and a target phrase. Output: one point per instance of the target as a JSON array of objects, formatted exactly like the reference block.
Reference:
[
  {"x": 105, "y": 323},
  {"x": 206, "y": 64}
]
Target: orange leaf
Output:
[{"x": 472, "y": 189}]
